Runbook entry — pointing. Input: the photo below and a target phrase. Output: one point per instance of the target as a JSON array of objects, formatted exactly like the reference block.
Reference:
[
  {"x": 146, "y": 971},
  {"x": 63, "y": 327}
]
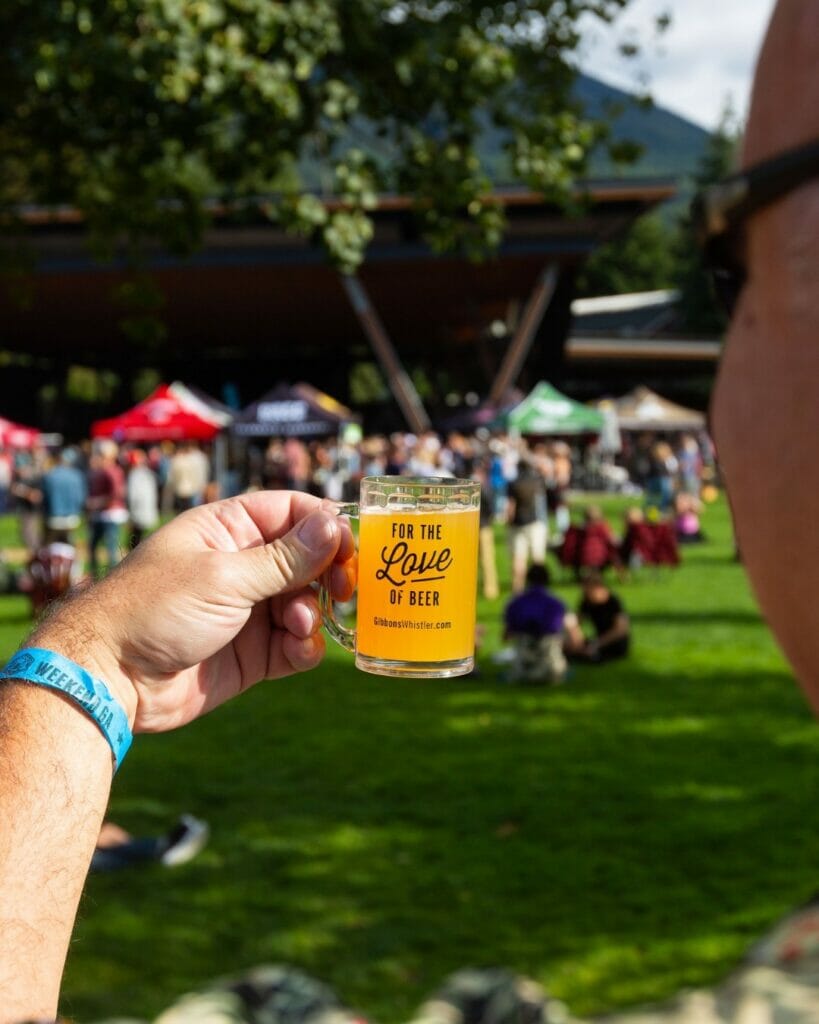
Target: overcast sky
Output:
[{"x": 704, "y": 58}]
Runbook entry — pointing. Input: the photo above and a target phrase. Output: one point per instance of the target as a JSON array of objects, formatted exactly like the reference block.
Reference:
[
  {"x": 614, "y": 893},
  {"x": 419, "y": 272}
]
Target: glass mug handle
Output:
[{"x": 343, "y": 637}]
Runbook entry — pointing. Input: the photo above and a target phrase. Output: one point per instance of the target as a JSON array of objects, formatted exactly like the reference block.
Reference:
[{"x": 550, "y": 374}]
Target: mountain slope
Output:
[{"x": 671, "y": 145}]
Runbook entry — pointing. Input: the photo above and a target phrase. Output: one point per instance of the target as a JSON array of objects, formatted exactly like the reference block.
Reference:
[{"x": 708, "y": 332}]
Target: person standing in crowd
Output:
[
  {"x": 325, "y": 480},
  {"x": 374, "y": 456},
  {"x": 639, "y": 459},
  {"x": 486, "y": 534},
  {"x": 142, "y": 492},
  {"x": 605, "y": 612},
  {"x": 426, "y": 457},
  {"x": 660, "y": 484},
  {"x": 188, "y": 476},
  {"x": 561, "y": 455},
  {"x": 6, "y": 473},
  {"x": 273, "y": 468},
  {"x": 528, "y": 526},
  {"x": 106, "y": 504},
  {"x": 397, "y": 455},
  {"x": 690, "y": 465},
  {"x": 159, "y": 460},
  {"x": 457, "y": 455},
  {"x": 498, "y": 481},
  {"x": 28, "y": 497},
  {"x": 297, "y": 465},
  {"x": 64, "y": 494},
  {"x": 534, "y": 623}
]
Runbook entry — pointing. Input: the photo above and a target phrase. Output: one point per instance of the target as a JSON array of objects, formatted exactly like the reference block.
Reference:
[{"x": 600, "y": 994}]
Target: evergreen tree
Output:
[
  {"x": 641, "y": 261},
  {"x": 700, "y": 310}
]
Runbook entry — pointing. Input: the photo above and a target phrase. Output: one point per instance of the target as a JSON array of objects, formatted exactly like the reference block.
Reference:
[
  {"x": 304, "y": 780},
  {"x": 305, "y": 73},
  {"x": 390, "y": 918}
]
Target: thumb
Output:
[{"x": 289, "y": 562}]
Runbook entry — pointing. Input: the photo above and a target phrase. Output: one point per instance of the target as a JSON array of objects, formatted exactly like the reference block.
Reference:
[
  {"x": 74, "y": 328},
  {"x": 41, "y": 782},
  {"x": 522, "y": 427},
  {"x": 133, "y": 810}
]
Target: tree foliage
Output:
[
  {"x": 660, "y": 252},
  {"x": 148, "y": 115},
  {"x": 642, "y": 260}
]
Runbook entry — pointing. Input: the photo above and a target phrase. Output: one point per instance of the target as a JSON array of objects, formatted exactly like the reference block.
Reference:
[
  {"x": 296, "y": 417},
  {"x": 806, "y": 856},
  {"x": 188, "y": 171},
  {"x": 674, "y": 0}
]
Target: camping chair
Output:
[
  {"x": 589, "y": 547},
  {"x": 51, "y": 572}
]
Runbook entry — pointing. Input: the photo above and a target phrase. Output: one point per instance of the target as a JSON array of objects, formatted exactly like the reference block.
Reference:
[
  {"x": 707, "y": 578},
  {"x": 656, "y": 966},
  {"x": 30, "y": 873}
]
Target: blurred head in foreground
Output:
[{"x": 766, "y": 405}]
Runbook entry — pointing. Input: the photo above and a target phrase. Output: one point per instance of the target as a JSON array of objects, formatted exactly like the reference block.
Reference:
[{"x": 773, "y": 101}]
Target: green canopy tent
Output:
[{"x": 545, "y": 411}]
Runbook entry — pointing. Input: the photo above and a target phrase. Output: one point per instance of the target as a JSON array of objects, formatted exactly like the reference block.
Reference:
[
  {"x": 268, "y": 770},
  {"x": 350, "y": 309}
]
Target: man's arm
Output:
[
  {"x": 55, "y": 776},
  {"x": 574, "y": 639},
  {"x": 618, "y": 629},
  {"x": 205, "y": 608}
]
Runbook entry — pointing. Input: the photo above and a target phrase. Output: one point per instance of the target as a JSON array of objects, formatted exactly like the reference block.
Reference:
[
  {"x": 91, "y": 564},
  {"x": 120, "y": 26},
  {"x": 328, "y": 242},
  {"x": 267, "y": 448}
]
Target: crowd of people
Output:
[
  {"x": 197, "y": 643},
  {"x": 81, "y": 507},
  {"x": 524, "y": 483},
  {"x": 119, "y": 493}
]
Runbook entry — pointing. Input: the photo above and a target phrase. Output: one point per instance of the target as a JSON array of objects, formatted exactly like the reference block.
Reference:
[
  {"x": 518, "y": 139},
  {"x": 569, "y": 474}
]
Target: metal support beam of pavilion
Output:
[
  {"x": 402, "y": 388},
  {"x": 521, "y": 344}
]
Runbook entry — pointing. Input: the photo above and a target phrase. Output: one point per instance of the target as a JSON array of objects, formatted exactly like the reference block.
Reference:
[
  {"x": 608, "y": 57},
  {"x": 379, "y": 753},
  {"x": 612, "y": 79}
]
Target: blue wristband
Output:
[{"x": 47, "y": 668}]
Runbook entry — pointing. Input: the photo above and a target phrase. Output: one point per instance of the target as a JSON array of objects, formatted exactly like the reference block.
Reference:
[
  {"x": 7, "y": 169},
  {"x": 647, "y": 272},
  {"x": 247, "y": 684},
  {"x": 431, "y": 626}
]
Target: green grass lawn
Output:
[{"x": 616, "y": 838}]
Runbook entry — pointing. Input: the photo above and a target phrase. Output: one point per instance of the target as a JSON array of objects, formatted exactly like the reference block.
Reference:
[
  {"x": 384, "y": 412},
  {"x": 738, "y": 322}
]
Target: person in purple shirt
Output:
[{"x": 534, "y": 624}]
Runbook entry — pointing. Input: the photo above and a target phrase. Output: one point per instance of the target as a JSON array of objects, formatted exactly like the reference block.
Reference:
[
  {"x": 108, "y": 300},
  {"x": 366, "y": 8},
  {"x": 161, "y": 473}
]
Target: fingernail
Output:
[{"x": 317, "y": 530}]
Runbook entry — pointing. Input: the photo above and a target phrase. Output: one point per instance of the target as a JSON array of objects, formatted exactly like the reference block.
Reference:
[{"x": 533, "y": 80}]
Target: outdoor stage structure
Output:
[{"x": 256, "y": 306}]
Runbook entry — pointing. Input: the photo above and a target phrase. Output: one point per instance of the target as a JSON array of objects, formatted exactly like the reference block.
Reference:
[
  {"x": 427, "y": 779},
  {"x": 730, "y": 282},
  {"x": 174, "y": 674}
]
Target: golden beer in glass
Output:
[{"x": 417, "y": 577}]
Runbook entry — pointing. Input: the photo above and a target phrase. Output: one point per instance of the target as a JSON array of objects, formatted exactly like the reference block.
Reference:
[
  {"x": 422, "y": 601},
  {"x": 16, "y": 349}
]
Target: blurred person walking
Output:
[
  {"x": 28, "y": 498},
  {"x": 660, "y": 484},
  {"x": 528, "y": 525},
  {"x": 6, "y": 473},
  {"x": 486, "y": 535},
  {"x": 188, "y": 476},
  {"x": 107, "y": 511},
  {"x": 297, "y": 464},
  {"x": 64, "y": 495},
  {"x": 142, "y": 496},
  {"x": 689, "y": 465}
]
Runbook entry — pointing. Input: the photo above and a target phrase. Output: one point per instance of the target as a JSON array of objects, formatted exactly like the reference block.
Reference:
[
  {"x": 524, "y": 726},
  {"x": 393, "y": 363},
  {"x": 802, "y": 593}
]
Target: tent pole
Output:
[
  {"x": 521, "y": 344},
  {"x": 401, "y": 386}
]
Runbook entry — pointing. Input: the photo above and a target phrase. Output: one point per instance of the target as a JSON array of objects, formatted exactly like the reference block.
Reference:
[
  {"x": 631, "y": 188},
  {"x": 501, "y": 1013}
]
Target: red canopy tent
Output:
[
  {"x": 15, "y": 435},
  {"x": 166, "y": 415}
]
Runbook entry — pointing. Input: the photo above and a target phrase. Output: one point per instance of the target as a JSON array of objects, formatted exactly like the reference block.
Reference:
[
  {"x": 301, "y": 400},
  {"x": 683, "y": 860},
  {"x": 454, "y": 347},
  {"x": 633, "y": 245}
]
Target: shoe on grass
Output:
[{"x": 185, "y": 841}]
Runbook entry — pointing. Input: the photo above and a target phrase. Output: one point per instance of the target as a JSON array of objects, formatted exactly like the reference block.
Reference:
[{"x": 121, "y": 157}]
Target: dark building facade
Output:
[{"x": 255, "y": 307}]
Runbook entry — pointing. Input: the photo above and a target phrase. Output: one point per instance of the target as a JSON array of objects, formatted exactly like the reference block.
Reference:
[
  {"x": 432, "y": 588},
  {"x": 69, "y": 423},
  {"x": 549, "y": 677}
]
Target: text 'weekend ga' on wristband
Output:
[{"x": 47, "y": 668}]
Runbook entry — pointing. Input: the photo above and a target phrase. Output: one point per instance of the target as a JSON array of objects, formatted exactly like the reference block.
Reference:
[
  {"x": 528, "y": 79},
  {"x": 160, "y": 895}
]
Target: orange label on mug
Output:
[{"x": 417, "y": 584}]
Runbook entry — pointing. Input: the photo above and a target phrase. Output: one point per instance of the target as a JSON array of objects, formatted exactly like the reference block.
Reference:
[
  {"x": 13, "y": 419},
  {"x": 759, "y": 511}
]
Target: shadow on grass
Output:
[
  {"x": 706, "y": 555},
  {"x": 687, "y": 617},
  {"x": 616, "y": 838}
]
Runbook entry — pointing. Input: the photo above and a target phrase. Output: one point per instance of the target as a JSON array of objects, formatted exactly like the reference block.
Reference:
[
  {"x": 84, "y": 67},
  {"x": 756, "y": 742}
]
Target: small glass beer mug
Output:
[{"x": 417, "y": 577}]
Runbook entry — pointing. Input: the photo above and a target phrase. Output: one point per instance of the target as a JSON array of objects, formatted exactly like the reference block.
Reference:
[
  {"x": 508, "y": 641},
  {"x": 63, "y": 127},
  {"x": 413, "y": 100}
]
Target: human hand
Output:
[
  {"x": 592, "y": 650},
  {"x": 209, "y": 605}
]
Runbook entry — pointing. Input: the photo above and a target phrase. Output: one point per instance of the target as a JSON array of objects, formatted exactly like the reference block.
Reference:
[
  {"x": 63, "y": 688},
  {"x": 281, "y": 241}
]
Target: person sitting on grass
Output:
[
  {"x": 534, "y": 625},
  {"x": 687, "y": 519},
  {"x": 605, "y": 612}
]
